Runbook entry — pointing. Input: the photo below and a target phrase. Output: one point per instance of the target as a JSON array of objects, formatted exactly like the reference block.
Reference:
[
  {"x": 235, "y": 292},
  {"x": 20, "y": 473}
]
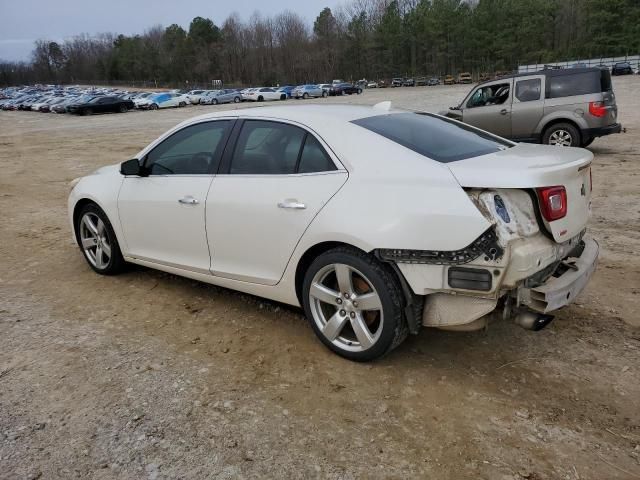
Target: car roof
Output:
[{"x": 548, "y": 72}]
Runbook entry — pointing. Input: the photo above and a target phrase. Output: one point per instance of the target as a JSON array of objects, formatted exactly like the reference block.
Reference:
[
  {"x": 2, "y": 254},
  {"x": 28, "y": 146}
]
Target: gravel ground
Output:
[{"x": 147, "y": 375}]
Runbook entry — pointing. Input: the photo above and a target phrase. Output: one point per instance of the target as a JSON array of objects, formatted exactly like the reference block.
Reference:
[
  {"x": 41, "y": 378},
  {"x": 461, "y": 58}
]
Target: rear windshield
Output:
[
  {"x": 438, "y": 138},
  {"x": 582, "y": 83}
]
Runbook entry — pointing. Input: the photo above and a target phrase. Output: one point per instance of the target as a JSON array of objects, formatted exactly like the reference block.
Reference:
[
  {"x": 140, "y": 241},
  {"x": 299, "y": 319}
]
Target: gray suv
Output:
[{"x": 556, "y": 107}]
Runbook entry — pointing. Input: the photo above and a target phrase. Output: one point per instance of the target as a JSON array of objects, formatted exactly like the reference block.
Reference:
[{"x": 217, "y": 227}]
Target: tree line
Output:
[{"x": 371, "y": 39}]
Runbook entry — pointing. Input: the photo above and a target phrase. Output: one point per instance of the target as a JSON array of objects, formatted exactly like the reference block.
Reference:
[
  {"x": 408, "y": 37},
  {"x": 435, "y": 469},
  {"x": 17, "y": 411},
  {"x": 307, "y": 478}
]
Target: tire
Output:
[
  {"x": 283, "y": 97},
  {"x": 380, "y": 329},
  {"x": 214, "y": 101},
  {"x": 123, "y": 109},
  {"x": 236, "y": 100},
  {"x": 260, "y": 99},
  {"x": 359, "y": 91},
  {"x": 87, "y": 111},
  {"x": 324, "y": 94},
  {"x": 562, "y": 135},
  {"x": 153, "y": 106},
  {"x": 94, "y": 232},
  {"x": 182, "y": 104},
  {"x": 305, "y": 95}
]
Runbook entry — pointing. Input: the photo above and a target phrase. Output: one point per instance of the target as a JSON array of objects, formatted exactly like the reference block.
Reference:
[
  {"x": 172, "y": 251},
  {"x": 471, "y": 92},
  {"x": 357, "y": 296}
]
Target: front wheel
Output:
[
  {"x": 562, "y": 135},
  {"x": 98, "y": 241},
  {"x": 236, "y": 100},
  {"x": 283, "y": 97},
  {"x": 354, "y": 304},
  {"x": 305, "y": 95},
  {"x": 153, "y": 106},
  {"x": 214, "y": 101},
  {"x": 359, "y": 91},
  {"x": 324, "y": 94},
  {"x": 123, "y": 109},
  {"x": 182, "y": 104}
]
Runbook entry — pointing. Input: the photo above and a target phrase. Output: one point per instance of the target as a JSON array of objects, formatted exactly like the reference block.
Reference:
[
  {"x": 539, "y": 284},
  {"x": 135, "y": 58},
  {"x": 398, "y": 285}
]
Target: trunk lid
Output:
[{"x": 528, "y": 167}]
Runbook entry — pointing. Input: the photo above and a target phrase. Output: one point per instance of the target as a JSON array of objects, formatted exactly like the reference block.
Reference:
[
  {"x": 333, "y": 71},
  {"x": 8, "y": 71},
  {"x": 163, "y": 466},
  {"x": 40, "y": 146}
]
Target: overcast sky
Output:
[{"x": 24, "y": 21}]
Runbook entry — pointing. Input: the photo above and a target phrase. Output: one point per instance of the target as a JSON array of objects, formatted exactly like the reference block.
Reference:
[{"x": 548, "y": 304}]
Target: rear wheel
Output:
[
  {"x": 305, "y": 95},
  {"x": 182, "y": 104},
  {"x": 236, "y": 100},
  {"x": 324, "y": 94},
  {"x": 260, "y": 99},
  {"x": 153, "y": 106},
  {"x": 354, "y": 304},
  {"x": 87, "y": 111},
  {"x": 123, "y": 108},
  {"x": 562, "y": 135},
  {"x": 214, "y": 101},
  {"x": 283, "y": 97},
  {"x": 98, "y": 241}
]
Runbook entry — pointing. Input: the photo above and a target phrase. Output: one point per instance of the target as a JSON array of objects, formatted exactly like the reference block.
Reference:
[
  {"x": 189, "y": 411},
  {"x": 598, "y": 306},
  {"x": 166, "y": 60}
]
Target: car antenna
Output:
[{"x": 386, "y": 106}]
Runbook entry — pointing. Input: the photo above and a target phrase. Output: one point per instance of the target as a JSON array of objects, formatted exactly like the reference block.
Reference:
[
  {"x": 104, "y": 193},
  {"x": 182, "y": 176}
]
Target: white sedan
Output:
[
  {"x": 376, "y": 221},
  {"x": 263, "y": 94}
]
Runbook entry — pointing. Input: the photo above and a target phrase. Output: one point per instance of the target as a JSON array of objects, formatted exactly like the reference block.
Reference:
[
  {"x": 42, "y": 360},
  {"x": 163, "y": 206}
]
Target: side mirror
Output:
[{"x": 132, "y": 167}]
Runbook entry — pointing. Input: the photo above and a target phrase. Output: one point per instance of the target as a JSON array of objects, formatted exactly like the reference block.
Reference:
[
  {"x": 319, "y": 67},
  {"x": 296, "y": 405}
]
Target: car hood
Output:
[{"x": 107, "y": 170}]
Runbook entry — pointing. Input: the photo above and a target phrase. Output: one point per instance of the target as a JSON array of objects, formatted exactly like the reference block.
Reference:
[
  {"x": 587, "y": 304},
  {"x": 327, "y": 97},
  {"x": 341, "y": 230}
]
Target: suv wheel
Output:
[
  {"x": 354, "y": 304},
  {"x": 562, "y": 135}
]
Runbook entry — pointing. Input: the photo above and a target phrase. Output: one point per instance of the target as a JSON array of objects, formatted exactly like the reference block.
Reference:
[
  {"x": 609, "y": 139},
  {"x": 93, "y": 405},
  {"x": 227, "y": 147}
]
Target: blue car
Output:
[
  {"x": 306, "y": 91},
  {"x": 286, "y": 89}
]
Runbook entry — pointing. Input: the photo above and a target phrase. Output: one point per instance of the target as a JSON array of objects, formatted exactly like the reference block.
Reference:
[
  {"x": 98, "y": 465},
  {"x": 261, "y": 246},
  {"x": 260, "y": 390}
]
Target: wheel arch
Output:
[
  {"x": 547, "y": 123},
  {"x": 309, "y": 256}
]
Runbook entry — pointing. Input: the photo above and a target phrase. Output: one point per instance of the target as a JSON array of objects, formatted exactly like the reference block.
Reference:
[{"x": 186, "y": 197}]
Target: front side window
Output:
[
  {"x": 496, "y": 94},
  {"x": 440, "y": 139},
  {"x": 528, "y": 90},
  {"x": 194, "y": 150}
]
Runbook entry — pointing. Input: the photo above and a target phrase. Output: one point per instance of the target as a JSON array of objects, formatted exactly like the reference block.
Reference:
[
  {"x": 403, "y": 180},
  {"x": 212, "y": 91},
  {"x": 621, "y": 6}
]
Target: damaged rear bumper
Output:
[{"x": 559, "y": 291}]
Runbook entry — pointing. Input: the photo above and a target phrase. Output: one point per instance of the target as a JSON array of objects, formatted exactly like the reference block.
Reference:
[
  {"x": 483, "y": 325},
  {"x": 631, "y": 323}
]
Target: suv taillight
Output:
[
  {"x": 553, "y": 202},
  {"x": 597, "y": 109}
]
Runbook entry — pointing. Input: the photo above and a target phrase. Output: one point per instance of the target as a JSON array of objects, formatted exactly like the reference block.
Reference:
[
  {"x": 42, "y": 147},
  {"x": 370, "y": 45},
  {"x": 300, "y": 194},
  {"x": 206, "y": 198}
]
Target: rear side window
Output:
[
  {"x": 434, "y": 137},
  {"x": 314, "y": 158},
  {"x": 578, "y": 84},
  {"x": 528, "y": 90}
]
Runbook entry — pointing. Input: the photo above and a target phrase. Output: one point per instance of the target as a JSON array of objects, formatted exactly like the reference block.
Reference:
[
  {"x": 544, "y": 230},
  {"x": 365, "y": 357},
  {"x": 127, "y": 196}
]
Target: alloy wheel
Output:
[
  {"x": 346, "y": 307},
  {"x": 94, "y": 240},
  {"x": 560, "y": 138}
]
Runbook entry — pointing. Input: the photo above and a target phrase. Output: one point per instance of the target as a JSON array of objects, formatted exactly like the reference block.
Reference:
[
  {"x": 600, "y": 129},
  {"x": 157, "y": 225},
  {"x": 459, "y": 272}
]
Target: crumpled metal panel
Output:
[{"x": 443, "y": 309}]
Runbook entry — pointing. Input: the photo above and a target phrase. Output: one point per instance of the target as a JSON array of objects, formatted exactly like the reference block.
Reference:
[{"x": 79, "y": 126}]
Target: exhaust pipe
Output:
[{"x": 532, "y": 321}]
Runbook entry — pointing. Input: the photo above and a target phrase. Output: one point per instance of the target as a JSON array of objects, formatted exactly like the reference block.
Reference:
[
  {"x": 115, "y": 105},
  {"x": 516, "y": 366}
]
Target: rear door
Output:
[
  {"x": 527, "y": 108},
  {"x": 489, "y": 107},
  {"x": 272, "y": 183}
]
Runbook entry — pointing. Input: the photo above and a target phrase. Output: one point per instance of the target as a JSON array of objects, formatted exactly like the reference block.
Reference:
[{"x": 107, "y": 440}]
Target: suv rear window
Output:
[
  {"x": 434, "y": 137},
  {"x": 578, "y": 84}
]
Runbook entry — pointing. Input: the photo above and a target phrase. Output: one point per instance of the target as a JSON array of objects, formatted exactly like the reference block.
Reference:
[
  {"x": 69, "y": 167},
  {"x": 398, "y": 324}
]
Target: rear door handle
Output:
[
  {"x": 188, "y": 200},
  {"x": 292, "y": 204},
  {"x": 504, "y": 111}
]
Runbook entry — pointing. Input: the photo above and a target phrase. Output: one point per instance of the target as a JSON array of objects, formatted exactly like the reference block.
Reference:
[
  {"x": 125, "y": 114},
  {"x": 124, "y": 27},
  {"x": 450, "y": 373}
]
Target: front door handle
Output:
[
  {"x": 293, "y": 204},
  {"x": 188, "y": 200},
  {"x": 504, "y": 111}
]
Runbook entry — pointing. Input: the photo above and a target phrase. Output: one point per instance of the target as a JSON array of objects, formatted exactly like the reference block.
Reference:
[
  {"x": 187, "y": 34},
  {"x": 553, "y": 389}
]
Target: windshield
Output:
[{"x": 434, "y": 137}]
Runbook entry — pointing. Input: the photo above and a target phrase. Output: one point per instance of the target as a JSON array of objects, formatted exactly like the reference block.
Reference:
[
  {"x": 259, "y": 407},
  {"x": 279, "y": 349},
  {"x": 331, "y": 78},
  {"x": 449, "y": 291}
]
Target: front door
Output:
[
  {"x": 163, "y": 214},
  {"x": 271, "y": 186},
  {"x": 489, "y": 107}
]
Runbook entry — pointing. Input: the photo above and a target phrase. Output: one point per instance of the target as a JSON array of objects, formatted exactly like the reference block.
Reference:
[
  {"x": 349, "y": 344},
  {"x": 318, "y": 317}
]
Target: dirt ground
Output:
[{"x": 147, "y": 375}]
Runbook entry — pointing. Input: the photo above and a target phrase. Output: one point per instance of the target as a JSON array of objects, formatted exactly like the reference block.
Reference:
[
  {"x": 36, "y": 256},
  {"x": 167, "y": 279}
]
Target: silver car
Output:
[
  {"x": 221, "y": 96},
  {"x": 568, "y": 107}
]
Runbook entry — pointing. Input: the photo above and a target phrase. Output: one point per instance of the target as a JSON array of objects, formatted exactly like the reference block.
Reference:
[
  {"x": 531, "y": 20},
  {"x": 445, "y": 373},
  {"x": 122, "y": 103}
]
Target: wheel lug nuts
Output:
[
  {"x": 343, "y": 313},
  {"x": 346, "y": 295},
  {"x": 352, "y": 314},
  {"x": 339, "y": 300},
  {"x": 355, "y": 304}
]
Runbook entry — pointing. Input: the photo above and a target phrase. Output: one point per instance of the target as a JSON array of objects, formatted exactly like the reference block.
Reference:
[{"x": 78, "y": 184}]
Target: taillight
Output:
[
  {"x": 597, "y": 109},
  {"x": 553, "y": 202}
]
